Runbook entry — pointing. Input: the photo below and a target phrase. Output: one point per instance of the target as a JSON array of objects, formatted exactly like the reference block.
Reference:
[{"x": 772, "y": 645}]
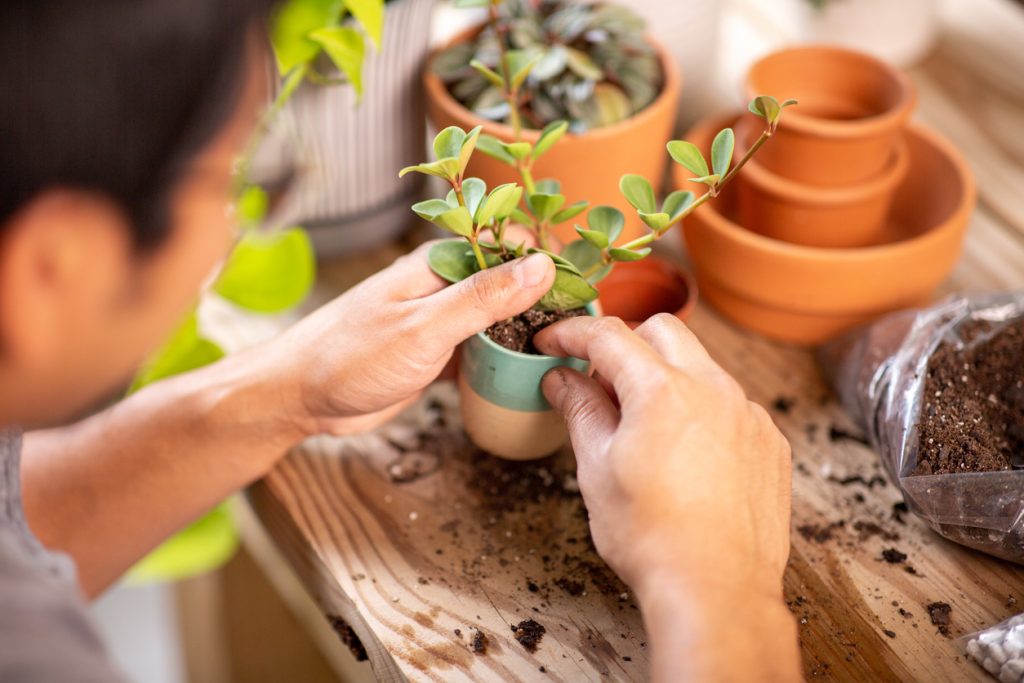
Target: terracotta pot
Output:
[
  {"x": 503, "y": 409},
  {"x": 852, "y": 110},
  {"x": 637, "y": 290},
  {"x": 809, "y": 294},
  {"x": 588, "y": 165},
  {"x": 848, "y": 216}
]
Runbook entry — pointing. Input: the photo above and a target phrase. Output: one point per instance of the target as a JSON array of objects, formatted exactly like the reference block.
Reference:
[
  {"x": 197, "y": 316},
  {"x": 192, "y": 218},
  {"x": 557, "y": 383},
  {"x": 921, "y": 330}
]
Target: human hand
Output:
[
  {"x": 687, "y": 484},
  {"x": 362, "y": 358}
]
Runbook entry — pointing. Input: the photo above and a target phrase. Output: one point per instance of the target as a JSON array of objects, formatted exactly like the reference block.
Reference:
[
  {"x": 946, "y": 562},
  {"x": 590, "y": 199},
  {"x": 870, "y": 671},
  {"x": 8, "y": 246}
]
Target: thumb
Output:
[
  {"x": 587, "y": 409},
  {"x": 476, "y": 303}
]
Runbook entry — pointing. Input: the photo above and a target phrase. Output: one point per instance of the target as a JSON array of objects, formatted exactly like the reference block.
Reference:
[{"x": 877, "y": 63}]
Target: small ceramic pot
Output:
[
  {"x": 787, "y": 210},
  {"x": 852, "y": 110},
  {"x": 637, "y": 290},
  {"x": 809, "y": 294},
  {"x": 503, "y": 409},
  {"x": 589, "y": 165}
]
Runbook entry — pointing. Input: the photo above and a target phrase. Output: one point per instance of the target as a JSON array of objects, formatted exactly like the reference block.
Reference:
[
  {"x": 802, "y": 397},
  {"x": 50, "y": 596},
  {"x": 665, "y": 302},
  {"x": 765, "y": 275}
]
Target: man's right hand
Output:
[{"x": 688, "y": 488}]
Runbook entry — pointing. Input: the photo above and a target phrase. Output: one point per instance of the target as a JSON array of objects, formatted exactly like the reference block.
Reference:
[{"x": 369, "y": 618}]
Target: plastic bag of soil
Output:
[{"x": 940, "y": 394}]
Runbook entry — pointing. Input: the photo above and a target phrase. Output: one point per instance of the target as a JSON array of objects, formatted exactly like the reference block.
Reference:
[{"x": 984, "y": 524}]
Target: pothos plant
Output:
[
  {"x": 480, "y": 217},
  {"x": 270, "y": 269}
]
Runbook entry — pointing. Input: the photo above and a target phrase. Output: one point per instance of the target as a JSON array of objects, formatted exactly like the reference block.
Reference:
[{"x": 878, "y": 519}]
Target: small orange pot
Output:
[
  {"x": 638, "y": 290},
  {"x": 589, "y": 165},
  {"x": 849, "y": 216},
  {"x": 852, "y": 109},
  {"x": 809, "y": 294}
]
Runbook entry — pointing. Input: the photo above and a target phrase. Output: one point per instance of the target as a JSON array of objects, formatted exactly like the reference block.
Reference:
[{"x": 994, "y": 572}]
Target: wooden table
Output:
[{"x": 411, "y": 543}]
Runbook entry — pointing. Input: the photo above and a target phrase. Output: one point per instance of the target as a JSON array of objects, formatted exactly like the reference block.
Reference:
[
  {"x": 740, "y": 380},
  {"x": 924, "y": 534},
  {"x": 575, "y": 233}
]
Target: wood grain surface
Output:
[{"x": 413, "y": 541}]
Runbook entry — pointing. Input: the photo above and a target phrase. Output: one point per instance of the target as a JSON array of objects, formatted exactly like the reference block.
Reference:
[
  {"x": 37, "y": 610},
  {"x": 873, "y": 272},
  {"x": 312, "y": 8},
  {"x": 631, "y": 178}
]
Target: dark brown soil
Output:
[
  {"x": 529, "y": 633},
  {"x": 941, "y": 615},
  {"x": 348, "y": 637},
  {"x": 517, "y": 333},
  {"x": 972, "y": 416},
  {"x": 479, "y": 642},
  {"x": 893, "y": 556}
]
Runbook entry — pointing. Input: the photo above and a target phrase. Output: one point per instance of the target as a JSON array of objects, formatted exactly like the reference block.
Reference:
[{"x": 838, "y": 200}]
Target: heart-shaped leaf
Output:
[
  {"x": 582, "y": 254},
  {"x": 688, "y": 156},
  {"x": 493, "y": 147},
  {"x": 721, "y": 151},
  {"x": 628, "y": 254},
  {"x": 290, "y": 26},
  {"x": 370, "y": 15},
  {"x": 638, "y": 192},
  {"x": 268, "y": 272},
  {"x": 551, "y": 134},
  {"x": 544, "y": 206},
  {"x": 607, "y": 219},
  {"x": 594, "y": 237},
  {"x": 569, "y": 212},
  {"x": 457, "y": 220},
  {"x": 568, "y": 292},
  {"x": 677, "y": 202},
  {"x": 452, "y": 260},
  {"x": 473, "y": 191},
  {"x": 346, "y": 48}
]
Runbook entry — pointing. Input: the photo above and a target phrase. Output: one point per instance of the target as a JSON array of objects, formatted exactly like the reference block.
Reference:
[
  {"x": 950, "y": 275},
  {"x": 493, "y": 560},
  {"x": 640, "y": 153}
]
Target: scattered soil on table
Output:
[
  {"x": 348, "y": 637},
  {"x": 529, "y": 634},
  {"x": 893, "y": 556},
  {"x": 941, "y": 615},
  {"x": 837, "y": 434},
  {"x": 479, "y": 642},
  {"x": 517, "y": 333},
  {"x": 972, "y": 417},
  {"x": 783, "y": 404},
  {"x": 818, "y": 533}
]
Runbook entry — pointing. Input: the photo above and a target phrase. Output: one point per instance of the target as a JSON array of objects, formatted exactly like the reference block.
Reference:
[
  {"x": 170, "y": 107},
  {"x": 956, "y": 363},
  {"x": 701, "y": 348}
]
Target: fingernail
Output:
[
  {"x": 532, "y": 270},
  {"x": 553, "y": 385}
]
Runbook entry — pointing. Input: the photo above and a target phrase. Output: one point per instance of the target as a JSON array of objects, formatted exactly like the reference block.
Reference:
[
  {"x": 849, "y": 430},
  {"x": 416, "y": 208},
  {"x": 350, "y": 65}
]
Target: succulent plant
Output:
[{"x": 591, "y": 63}]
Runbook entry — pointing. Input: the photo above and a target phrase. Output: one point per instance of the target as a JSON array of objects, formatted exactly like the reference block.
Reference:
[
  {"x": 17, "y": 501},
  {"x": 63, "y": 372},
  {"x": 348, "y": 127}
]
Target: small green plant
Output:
[
  {"x": 481, "y": 217},
  {"x": 591, "y": 64}
]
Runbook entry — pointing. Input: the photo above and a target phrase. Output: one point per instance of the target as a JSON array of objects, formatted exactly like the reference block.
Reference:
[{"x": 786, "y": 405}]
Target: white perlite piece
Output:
[{"x": 1000, "y": 650}]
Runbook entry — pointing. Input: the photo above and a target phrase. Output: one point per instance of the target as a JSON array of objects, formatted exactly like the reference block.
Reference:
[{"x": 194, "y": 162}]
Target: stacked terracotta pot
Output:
[{"x": 845, "y": 213}]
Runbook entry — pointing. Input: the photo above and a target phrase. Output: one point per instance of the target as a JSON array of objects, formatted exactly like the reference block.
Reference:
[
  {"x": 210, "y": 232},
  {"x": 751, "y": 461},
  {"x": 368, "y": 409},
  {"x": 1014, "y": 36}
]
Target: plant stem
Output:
[
  {"x": 480, "y": 260},
  {"x": 592, "y": 270},
  {"x": 527, "y": 175},
  {"x": 511, "y": 94}
]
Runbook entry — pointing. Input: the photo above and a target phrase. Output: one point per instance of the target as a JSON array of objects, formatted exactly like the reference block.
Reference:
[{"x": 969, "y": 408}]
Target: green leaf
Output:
[
  {"x": 290, "y": 26},
  {"x": 520, "y": 63},
  {"x": 518, "y": 150},
  {"x": 370, "y": 15},
  {"x": 569, "y": 291},
  {"x": 185, "y": 350},
  {"x": 560, "y": 261},
  {"x": 268, "y": 272},
  {"x": 203, "y": 546},
  {"x": 457, "y": 220},
  {"x": 473, "y": 191},
  {"x": 677, "y": 202},
  {"x": 544, "y": 206},
  {"x": 569, "y": 212},
  {"x": 582, "y": 254},
  {"x": 582, "y": 65},
  {"x": 709, "y": 180},
  {"x": 688, "y": 156},
  {"x": 452, "y": 260},
  {"x": 721, "y": 151},
  {"x": 430, "y": 209},
  {"x": 499, "y": 204},
  {"x": 442, "y": 168},
  {"x": 628, "y": 254},
  {"x": 607, "y": 219},
  {"x": 493, "y": 147},
  {"x": 466, "y": 150},
  {"x": 638, "y": 192},
  {"x": 467, "y": 4},
  {"x": 548, "y": 186},
  {"x": 491, "y": 75},
  {"x": 251, "y": 206},
  {"x": 346, "y": 48},
  {"x": 551, "y": 134},
  {"x": 521, "y": 217},
  {"x": 655, "y": 221},
  {"x": 594, "y": 237},
  {"x": 448, "y": 143},
  {"x": 767, "y": 107}
]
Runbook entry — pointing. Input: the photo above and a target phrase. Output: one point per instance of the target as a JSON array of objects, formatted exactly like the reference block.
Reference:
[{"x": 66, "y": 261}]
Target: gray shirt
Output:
[{"x": 45, "y": 631}]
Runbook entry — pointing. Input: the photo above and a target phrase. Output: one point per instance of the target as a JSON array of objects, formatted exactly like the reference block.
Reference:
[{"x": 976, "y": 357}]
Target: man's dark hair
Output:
[{"x": 116, "y": 96}]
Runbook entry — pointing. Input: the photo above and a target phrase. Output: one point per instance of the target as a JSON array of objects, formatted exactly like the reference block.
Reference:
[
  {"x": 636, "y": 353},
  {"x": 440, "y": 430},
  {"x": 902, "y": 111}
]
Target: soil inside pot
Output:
[
  {"x": 516, "y": 334},
  {"x": 972, "y": 418}
]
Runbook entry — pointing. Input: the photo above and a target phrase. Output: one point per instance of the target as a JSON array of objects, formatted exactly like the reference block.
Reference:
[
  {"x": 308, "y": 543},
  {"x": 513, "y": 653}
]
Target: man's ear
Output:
[{"x": 64, "y": 261}]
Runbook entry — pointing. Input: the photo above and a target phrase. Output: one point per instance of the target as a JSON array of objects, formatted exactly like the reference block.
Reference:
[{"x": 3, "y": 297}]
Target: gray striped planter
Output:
[{"x": 348, "y": 153}]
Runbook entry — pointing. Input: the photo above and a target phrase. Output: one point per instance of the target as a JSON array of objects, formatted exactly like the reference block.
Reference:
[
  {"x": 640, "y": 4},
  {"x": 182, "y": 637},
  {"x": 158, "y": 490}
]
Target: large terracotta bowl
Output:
[
  {"x": 589, "y": 165},
  {"x": 851, "y": 113},
  {"x": 807, "y": 294}
]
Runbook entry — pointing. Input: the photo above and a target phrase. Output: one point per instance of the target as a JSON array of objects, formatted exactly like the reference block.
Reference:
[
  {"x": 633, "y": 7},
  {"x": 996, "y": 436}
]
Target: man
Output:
[{"x": 118, "y": 126}]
